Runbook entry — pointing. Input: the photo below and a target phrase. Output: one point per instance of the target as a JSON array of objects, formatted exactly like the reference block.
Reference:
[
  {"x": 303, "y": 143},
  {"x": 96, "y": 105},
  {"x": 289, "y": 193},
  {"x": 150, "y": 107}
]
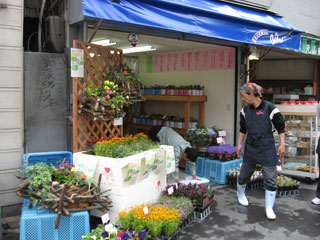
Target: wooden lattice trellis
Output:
[{"x": 97, "y": 60}]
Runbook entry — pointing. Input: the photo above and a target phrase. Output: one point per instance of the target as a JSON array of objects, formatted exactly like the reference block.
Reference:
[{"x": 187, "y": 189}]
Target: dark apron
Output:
[{"x": 260, "y": 146}]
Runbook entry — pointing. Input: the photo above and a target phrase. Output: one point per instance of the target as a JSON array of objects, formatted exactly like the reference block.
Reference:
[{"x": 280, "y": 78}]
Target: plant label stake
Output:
[
  {"x": 105, "y": 218},
  {"x": 145, "y": 210},
  {"x": 170, "y": 190}
]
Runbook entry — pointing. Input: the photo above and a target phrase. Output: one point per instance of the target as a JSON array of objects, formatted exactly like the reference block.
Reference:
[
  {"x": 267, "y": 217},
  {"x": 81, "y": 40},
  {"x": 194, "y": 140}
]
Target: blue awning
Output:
[{"x": 200, "y": 17}]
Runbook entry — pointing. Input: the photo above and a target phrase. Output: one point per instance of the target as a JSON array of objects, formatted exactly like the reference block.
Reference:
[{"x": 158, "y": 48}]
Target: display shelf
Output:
[
  {"x": 182, "y": 131},
  {"x": 187, "y": 103},
  {"x": 176, "y": 98},
  {"x": 302, "y": 122}
]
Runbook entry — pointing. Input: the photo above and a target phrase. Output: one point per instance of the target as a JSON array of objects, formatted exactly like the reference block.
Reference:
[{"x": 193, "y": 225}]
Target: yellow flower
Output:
[{"x": 73, "y": 169}]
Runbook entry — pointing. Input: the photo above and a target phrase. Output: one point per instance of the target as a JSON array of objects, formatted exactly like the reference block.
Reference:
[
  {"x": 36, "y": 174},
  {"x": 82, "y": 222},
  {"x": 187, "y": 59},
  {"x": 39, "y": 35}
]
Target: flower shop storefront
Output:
[{"x": 132, "y": 171}]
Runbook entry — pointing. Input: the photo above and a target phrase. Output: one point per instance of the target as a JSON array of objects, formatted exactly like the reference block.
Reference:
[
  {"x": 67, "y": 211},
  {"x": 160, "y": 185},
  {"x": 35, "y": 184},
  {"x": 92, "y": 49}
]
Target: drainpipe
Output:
[{"x": 40, "y": 25}]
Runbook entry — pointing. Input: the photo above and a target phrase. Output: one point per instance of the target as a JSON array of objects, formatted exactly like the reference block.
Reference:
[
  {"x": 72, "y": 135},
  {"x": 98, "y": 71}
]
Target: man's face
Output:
[{"x": 247, "y": 98}]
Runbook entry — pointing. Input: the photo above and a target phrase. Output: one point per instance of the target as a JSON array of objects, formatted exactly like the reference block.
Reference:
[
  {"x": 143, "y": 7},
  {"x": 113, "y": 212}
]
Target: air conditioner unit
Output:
[{"x": 54, "y": 30}]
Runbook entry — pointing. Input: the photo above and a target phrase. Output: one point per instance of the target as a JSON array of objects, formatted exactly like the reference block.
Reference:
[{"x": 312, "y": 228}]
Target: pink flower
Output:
[
  {"x": 117, "y": 93},
  {"x": 108, "y": 97},
  {"x": 62, "y": 185},
  {"x": 109, "y": 91},
  {"x": 55, "y": 183}
]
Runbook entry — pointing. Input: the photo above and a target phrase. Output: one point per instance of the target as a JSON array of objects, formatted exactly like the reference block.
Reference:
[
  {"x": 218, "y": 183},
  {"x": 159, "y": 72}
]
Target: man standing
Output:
[
  {"x": 257, "y": 121},
  {"x": 182, "y": 148}
]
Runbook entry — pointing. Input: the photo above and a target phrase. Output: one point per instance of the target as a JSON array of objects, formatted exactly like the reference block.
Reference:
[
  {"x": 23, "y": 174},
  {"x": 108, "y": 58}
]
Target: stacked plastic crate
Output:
[{"x": 37, "y": 223}]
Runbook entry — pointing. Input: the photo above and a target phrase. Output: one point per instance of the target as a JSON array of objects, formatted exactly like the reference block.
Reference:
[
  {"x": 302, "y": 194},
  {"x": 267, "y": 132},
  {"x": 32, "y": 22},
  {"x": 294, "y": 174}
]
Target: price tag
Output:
[
  {"x": 279, "y": 168},
  {"x": 145, "y": 210},
  {"x": 219, "y": 140},
  {"x": 170, "y": 190},
  {"x": 105, "y": 218},
  {"x": 222, "y": 133},
  {"x": 118, "y": 121},
  {"x": 176, "y": 185}
]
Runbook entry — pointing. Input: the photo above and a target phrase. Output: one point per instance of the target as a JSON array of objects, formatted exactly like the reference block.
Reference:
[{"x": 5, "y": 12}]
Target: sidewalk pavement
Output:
[{"x": 297, "y": 218}]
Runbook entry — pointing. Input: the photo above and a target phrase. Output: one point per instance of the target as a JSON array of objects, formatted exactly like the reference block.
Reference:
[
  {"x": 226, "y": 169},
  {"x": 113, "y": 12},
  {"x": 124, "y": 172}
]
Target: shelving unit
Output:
[
  {"x": 187, "y": 102},
  {"x": 301, "y": 138}
]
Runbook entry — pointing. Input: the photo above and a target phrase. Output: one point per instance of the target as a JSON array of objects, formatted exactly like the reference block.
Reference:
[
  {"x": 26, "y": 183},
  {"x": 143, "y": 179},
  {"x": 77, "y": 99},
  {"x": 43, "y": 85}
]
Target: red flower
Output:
[
  {"x": 120, "y": 234},
  {"x": 137, "y": 238}
]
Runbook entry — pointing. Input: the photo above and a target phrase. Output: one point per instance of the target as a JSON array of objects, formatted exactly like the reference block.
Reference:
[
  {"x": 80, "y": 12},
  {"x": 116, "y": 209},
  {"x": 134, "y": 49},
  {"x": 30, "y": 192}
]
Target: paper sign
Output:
[
  {"x": 279, "y": 168},
  {"x": 118, "y": 121},
  {"x": 133, "y": 170},
  {"x": 145, "y": 210},
  {"x": 219, "y": 139},
  {"x": 105, "y": 218},
  {"x": 222, "y": 133},
  {"x": 170, "y": 190},
  {"x": 86, "y": 166},
  {"x": 77, "y": 62}
]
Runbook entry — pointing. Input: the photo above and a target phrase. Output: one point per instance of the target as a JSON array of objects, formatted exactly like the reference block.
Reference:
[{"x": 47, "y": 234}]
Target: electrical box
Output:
[{"x": 54, "y": 30}]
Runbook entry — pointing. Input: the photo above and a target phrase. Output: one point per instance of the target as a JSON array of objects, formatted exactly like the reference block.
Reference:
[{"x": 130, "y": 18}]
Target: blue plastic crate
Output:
[
  {"x": 54, "y": 158},
  {"x": 216, "y": 171},
  {"x": 38, "y": 224},
  {"x": 200, "y": 163}
]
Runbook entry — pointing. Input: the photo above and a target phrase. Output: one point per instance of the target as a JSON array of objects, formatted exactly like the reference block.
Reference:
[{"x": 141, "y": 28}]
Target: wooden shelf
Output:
[
  {"x": 187, "y": 102},
  {"x": 182, "y": 131},
  {"x": 176, "y": 98}
]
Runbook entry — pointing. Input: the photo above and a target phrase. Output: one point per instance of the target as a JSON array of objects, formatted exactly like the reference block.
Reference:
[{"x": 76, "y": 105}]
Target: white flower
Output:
[
  {"x": 110, "y": 229},
  {"x": 94, "y": 237}
]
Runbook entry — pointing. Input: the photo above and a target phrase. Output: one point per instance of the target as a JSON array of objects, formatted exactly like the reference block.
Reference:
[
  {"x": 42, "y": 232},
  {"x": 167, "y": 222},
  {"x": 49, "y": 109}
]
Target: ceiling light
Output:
[
  {"x": 104, "y": 42},
  {"x": 138, "y": 49}
]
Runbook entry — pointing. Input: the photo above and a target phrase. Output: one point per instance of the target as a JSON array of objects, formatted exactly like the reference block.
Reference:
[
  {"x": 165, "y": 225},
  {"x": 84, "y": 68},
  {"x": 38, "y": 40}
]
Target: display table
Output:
[{"x": 133, "y": 180}]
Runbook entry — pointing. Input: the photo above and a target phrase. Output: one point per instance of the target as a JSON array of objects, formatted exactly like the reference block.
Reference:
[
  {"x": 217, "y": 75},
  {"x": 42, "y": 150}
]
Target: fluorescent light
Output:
[
  {"x": 104, "y": 42},
  {"x": 138, "y": 49}
]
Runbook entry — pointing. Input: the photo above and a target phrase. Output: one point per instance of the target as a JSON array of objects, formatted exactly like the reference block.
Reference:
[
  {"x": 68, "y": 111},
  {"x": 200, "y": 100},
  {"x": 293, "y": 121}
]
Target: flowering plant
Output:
[
  {"x": 224, "y": 149},
  {"x": 182, "y": 204},
  {"x": 42, "y": 177},
  {"x": 201, "y": 136},
  {"x": 66, "y": 174},
  {"x": 287, "y": 182},
  {"x": 196, "y": 193},
  {"x": 120, "y": 147},
  {"x": 109, "y": 92},
  {"x": 156, "y": 219},
  {"x": 110, "y": 232}
]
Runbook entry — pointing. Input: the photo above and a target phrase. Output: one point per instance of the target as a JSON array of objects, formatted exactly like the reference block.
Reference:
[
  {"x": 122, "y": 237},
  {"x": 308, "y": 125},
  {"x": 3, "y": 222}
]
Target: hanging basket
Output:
[{"x": 99, "y": 108}]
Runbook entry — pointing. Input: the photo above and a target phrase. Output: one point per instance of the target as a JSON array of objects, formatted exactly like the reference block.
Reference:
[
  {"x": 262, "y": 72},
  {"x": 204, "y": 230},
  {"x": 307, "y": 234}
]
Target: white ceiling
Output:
[
  {"x": 162, "y": 44},
  {"x": 174, "y": 45}
]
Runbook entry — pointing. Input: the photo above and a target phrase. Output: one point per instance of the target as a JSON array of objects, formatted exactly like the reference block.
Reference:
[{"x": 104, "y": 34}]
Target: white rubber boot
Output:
[
  {"x": 270, "y": 199},
  {"x": 242, "y": 199},
  {"x": 316, "y": 201}
]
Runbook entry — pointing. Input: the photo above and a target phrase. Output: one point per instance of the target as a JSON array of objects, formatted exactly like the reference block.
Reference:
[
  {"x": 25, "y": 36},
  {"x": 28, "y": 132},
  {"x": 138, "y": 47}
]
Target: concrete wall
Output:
[
  {"x": 303, "y": 15},
  {"x": 219, "y": 87},
  {"x": 11, "y": 99},
  {"x": 46, "y": 102}
]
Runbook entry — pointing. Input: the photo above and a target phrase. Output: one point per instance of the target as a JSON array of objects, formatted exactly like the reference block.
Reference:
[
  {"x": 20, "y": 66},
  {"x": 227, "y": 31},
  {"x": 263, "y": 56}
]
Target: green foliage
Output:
[
  {"x": 201, "y": 136},
  {"x": 125, "y": 146},
  {"x": 155, "y": 228},
  {"x": 170, "y": 227},
  {"x": 182, "y": 204}
]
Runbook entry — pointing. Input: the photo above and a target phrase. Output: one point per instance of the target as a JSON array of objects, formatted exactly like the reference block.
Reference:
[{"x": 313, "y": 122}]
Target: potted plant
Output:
[
  {"x": 201, "y": 137},
  {"x": 188, "y": 91}
]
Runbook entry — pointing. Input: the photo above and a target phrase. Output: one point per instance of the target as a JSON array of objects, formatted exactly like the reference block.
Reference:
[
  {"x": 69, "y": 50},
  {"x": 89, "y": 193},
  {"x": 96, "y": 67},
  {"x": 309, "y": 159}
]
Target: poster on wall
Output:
[
  {"x": 77, "y": 62},
  {"x": 203, "y": 60}
]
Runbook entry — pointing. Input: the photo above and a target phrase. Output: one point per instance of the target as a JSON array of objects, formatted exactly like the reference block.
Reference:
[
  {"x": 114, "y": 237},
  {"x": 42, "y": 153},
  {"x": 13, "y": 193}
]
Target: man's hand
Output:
[
  {"x": 281, "y": 151},
  {"x": 239, "y": 151}
]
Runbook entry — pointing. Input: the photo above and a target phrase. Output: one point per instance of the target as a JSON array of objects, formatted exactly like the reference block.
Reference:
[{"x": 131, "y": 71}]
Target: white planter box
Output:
[{"x": 133, "y": 180}]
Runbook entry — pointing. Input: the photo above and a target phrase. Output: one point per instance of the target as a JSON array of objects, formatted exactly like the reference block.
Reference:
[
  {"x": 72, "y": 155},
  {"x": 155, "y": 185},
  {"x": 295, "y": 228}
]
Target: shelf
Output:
[
  {"x": 299, "y": 173},
  {"x": 182, "y": 131},
  {"x": 176, "y": 98}
]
